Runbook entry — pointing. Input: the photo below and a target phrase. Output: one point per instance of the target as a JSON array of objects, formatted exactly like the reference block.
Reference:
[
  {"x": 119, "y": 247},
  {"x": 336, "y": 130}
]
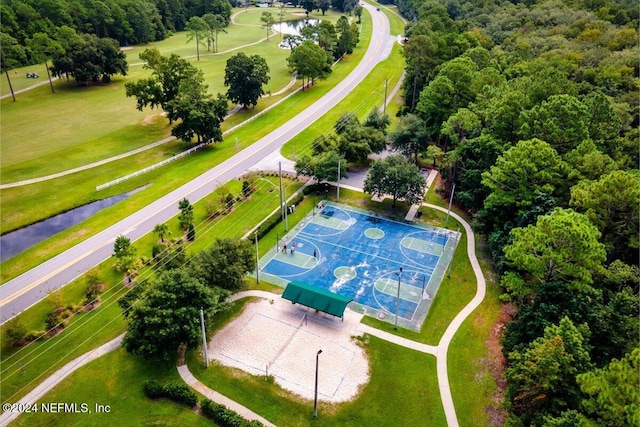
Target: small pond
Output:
[
  {"x": 22, "y": 239},
  {"x": 294, "y": 28}
]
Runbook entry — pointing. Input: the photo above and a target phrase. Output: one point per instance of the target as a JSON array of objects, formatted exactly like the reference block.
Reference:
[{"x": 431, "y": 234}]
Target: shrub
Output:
[
  {"x": 15, "y": 330},
  {"x": 225, "y": 417},
  {"x": 191, "y": 234},
  {"x": 33, "y": 336},
  {"x": 229, "y": 201},
  {"x": 152, "y": 389},
  {"x": 212, "y": 409},
  {"x": 92, "y": 293},
  {"x": 51, "y": 322},
  {"x": 181, "y": 393},
  {"x": 177, "y": 392}
]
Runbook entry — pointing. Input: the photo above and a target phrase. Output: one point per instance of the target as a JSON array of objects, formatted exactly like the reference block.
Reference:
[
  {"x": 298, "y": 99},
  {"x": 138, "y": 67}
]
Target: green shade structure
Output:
[{"x": 319, "y": 299}]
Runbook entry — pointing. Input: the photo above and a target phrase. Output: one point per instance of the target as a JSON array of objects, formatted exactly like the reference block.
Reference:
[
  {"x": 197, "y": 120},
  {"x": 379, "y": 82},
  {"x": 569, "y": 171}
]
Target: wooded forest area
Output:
[{"x": 534, "y": 106}]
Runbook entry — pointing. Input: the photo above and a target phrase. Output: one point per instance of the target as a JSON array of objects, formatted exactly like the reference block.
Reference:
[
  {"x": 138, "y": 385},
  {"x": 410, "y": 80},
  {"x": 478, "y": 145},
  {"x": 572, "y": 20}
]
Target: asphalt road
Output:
[{"x": 30, "y": 287}]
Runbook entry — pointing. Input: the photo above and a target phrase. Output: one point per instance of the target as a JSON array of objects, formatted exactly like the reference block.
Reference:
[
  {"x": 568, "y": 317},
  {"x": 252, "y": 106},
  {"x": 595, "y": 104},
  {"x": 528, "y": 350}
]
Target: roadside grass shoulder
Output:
[
  {"x": 369, "y": 94},
  {"x": 21, "y": 369},
  {"x": 80, "y": 187}
]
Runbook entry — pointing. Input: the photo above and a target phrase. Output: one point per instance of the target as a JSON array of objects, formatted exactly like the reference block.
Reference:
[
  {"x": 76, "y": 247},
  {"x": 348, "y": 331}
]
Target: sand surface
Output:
[{"x": 274, "y": 336}]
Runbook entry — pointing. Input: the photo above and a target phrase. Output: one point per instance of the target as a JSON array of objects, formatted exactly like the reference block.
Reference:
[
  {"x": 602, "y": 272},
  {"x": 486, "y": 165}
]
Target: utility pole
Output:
[
  {"x": 315, "y": 400},
  {"x": 384, "y": 107},
  {"x": 395, "y": 326},
  {"x": 204, "y": 338},
  {"x": 283, "y": 200},
  {"x": 280, "y": 179},
  {"x": 257, "y": 260},
  {"x": 338, "y": 181},
  {"x": 446, "y": 221}
]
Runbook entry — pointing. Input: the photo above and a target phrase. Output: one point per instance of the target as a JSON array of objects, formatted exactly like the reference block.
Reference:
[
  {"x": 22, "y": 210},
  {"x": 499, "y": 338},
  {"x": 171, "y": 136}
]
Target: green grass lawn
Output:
[
  {"x": 24, "y": 205},
  {"x": 116, "y": 380},
  {"x": 367, "y": 95},
  {"x": 22, "y": 368},
  {"x": 383, "y": 401},
  {"x": 413, "y": 373},
  {"x": 402, "y": 386}
]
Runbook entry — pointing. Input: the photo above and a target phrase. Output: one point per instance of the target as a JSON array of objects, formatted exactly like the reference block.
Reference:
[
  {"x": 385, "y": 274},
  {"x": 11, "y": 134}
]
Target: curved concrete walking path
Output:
[
  {"x": 49, "y": 383},
  {"x": 136, "y": 151},
  {"x": 440, "y": 351}
]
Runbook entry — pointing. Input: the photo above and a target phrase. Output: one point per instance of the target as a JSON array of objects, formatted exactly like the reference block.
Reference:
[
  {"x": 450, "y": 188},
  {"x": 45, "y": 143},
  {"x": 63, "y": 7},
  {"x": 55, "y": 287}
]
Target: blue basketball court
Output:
[{"x": 367, "y": 258}]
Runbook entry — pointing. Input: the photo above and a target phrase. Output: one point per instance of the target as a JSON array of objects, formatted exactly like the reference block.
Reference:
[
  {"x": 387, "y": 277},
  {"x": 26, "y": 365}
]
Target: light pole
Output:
[
  {"x": 395, "y": 326},
  {"x": 315, "y": 400}
]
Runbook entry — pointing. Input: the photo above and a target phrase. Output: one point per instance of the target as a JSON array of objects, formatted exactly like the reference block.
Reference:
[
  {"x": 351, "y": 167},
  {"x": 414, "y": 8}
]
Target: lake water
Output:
[
  {"x": 22, "y": 239},
  {"x": 294, "y": 27}
]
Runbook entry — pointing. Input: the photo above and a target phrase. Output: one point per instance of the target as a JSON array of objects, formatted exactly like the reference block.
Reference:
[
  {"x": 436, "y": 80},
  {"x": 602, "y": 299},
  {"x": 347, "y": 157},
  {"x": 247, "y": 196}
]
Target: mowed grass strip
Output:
[
  {"x": 23, "y": 368},
  {"x": 116, "y": 380},
  {"x": 38, "y": 201},
  {"x": 402, "y": 386}
]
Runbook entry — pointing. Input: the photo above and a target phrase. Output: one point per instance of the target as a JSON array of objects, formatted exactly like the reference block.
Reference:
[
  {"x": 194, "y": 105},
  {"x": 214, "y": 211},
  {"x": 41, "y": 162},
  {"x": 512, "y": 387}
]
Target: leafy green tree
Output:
[
  {"x": 347, "y": 40},
  {"x": 450, "y": 90},
  {"x": 164, "y": 84},
  {"x": 434, "y": 153},
  {"x": 327, "y": 37},
  {"x": 357, "y": 141},
  {"x": 324, "y": 5},
  {"x": 460, "y": 126},
  {"x": 470, "y": 159},
  {"x": 560, "y": 121},
  {"x": 393, "y": 175},
  {"x": 197, "y": 29},
  {"x": 127, "y": 261},
  {"x": 216, "y": 24},
  {"x": 90, "y": 59},
  {"x": 587, "y": 162},
  {"x": 423, "y": 54},
  {"x": 612, "y": 392},
  {"x": 323, "y": 166},
  {"x": 291, "y": 41},
  {"x": 169, "y": 256},
  {"x": 612, "y": 204},
  {"x": 309, "y": 5},
  {"x": 42, "y": 48},
  {"x": 224, "y": 264},
  {"x": 409, "y": 136},
  {"x": 357, "y": 11},
  {"x": 11, "y": 56},
  {"x": 611, "y": 316},
  {"x": 186, "y": 214},
  {"x": 309, "y": 60},
  {"x": 167, "y": 315},
  {"x": 162, "y": 230},
  {"x": 563, "y": 245},
  {"x": 523, "y": 172},
  {"x": 268, "y": 20},
  {"x": 199, "y": 112},
  {"x": 246, "y": 77},
  {"x": 542, "y": 377},
  {"x": 377, "y": 120},
  {"x": 604, "y": 124},
  {"x": 500, "y": 110}
]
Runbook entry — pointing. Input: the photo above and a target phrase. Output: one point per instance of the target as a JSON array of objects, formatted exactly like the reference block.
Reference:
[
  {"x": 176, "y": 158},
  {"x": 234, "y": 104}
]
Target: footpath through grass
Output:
[
  {"x": 21, "y": 369},
  {"x": 394, "y": 374},
  {"x": 24, "y": 205}
]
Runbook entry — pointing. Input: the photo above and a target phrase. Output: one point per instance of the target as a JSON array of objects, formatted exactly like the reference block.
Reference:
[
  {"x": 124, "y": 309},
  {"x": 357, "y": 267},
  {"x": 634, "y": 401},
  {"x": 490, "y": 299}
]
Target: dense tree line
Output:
[
  {"x": 535, "y": 108},
  {"x": 126, "y": 21}
]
